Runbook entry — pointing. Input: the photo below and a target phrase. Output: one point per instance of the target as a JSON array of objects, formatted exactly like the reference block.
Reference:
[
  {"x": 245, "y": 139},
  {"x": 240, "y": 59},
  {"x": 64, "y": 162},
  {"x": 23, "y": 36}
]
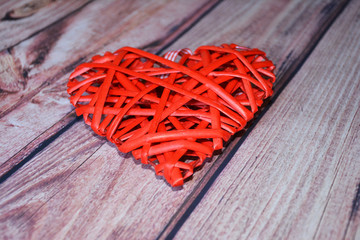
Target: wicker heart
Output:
[{"x": 171, "y": 114}]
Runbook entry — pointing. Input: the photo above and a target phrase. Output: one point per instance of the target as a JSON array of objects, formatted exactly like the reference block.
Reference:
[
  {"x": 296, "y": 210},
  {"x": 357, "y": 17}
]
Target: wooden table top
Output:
[{"x": 293, "y": 174}]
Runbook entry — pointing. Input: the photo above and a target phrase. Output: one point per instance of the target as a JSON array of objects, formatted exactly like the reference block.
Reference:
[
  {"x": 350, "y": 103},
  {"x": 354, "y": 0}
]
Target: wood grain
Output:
[
  {"x": 296, "y": 175},
  {"x": 21, "y": 19},
  {"x": 47, "y": 59},
  {"x": 33, "y": 187},
  {"x": 289, "y": 54},
  {"x": 102, "y": 193},
  {"x": 36, "y": 145},
  {"x": 54, "y": 52}
]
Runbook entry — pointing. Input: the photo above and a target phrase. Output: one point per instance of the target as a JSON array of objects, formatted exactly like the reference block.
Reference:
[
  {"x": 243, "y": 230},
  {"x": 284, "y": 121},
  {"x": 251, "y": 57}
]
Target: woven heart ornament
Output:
[{"x": 173, "y": 111}]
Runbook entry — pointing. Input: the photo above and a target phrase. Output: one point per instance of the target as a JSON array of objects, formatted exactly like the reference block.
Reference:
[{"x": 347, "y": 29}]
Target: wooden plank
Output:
[
  {"x": 38, "y": 182},
  {"x": 21, "y": 19},
  {"x": 106, "y": 194},
  {"x": 54, "y": 52},
  {"x": 48, "y": 57},
  {"x": 340, "y": 215},
  {"x": 288, "y": 54},
  {"x": 296, "y": 176},
  {"x": 36, "y": 145}
]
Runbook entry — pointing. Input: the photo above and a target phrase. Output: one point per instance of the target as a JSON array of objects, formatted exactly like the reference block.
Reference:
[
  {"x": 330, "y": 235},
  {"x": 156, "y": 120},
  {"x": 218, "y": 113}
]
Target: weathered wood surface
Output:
[
  {"x": 297, "y": 174},
  {"x": 30, "y": 115},
  {"x": 288, "y": 53},
  {"x": 91, "y": 190},
  {"x": 21, "y": 19}
]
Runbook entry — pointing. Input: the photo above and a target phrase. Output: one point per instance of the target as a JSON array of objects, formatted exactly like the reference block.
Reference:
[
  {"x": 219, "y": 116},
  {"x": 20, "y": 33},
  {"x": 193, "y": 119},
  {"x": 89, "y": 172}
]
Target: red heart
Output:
[{"x": 170, "y": 114}]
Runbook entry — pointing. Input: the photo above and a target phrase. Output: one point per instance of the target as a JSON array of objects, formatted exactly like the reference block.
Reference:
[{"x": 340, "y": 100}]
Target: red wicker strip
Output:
[{"x": 171, "y": 112}]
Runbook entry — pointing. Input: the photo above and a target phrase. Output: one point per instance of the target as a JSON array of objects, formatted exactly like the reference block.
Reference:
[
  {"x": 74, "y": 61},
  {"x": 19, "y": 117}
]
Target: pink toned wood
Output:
[
  {"x": 54, "y": 52},
  {"x": 85, "y": 192},
  {"x": 21, "y": 19},
  {"x": 296, "y": 176},
  {"x": 32, "y": 113},
  {"x": 18, "y": 21}
]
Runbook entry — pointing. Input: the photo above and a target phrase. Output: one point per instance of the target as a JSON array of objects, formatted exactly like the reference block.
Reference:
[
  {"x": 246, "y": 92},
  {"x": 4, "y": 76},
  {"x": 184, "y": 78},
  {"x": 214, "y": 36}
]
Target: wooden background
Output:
[{"x": 294, "y": 174}]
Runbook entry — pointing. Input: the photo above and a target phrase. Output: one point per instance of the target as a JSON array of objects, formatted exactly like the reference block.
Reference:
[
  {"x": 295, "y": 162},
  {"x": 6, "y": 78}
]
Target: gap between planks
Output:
[
  {"x": 279, "y": 73},
  {"x": 30, "y": 150},
  {"x": 343, "y": 201},
  {"x": 220, "y": 163},
  {"x": 33, "y": 18}
]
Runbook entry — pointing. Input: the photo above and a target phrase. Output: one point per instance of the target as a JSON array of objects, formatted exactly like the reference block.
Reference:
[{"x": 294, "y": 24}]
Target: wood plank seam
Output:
[
  {"x": 119, "y": 226},
  {"x": 323, "y": 117},
  {"x": 34, "y": 92},
  {"x": 46, "y": 27},
  {"x": 204, "y": 185},
  {"x": 7, "y": 170},
  {"x": 64, "y": 181},
  {"x": 14, "y": 163},
  {"x": 156, "y": 47},
  {"x": 160, "y": 46}
]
